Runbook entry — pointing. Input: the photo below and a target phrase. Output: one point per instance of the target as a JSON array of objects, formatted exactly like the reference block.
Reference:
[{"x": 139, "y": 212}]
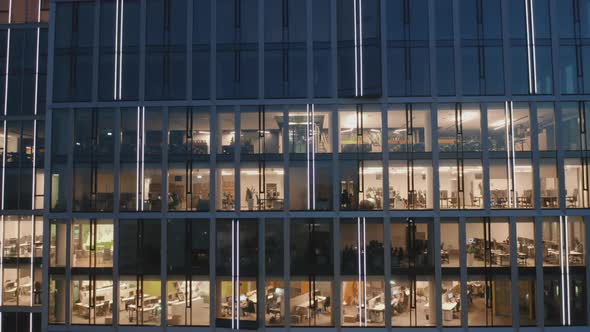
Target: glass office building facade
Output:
[{"x": 335, "y": 164}]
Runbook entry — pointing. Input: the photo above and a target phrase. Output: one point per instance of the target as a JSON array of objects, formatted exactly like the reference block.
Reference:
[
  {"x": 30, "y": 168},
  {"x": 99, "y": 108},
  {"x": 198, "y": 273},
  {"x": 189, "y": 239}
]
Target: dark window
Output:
[{"x": 139, "y": 246}]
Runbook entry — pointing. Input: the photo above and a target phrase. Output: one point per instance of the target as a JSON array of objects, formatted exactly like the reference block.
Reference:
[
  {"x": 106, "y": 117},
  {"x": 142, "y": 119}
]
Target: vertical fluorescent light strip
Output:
[
  {"x": 137, "y": 161},
  {"x": 238, "y": 267},
  {"x": 533, "y": 45},
  {"x": 567, "y": 271},
  {"x": 358, "y": 251},
  {"x": 233, "y": 263},
  {"x": 361, "y": 44},
  {"x": 116, "y": 70},
  {"x": 1, "y": 260},
  {"x": 356, "y": 89},
  {"x": 307, "y": 152},
  {"x": 142, "y": 154},
  {"x": 33, "y": 205},
  {"x": 562, "y": 270},
  {"x": 313, "y": 156},
  {"x": 4, "y": 140},
  {"x": 365, "y": 268},
  {"x": 121, "y": 47}
]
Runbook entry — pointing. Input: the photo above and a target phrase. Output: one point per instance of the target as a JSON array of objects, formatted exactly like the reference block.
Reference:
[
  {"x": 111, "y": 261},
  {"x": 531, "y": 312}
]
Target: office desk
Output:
[{"x": 447, "y": 309}]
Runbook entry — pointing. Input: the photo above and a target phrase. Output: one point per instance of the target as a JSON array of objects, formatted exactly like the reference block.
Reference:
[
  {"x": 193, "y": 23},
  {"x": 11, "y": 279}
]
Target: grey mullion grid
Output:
[
  {"x": 70, "y": 163},
  {"x": 485, "y": 160},
  {"x": 587, "y": 230},
  {"x": 387, "y": 268},
  {"x": 437, "y": 271},
  {"x": 335, "y": 164},
  {"x": 286, "y": 266},
  {"x": 457, "y": 49},
  {"x": 383, "y": 32},
  {"x": 463, "y": 269},
  {"x": 553, "y": 13},
  {"x": 117, "y": 161},
  {"x": 95, "y": 52},
  {"x": 189, "y": 52},
  {"x": 385, "y": 156},
  {"x": 539, "y": 287},
  {"x": 336, "y": 294},
  {"x": 514, "y": 301},
  {"x": 435, "y": 157},
  {"x": 164, "y": 166},
  {"x": 142, "y": 50},
  {"x": 286, "y": 161},
  {"x": 432, "y": 48},
  {"x": 213, "y": 52},
  {"x": 261, "y": 280},
  {"x": 116, "y": 269},
  {"x": 309, "y": 50},
  {"x": 334, "y": 47},
  {"x": 261, "y": 49},
  {"x": 236, "y": 161},
  {"x": 535, "y": 156},
  {"x": 560, "y": 157},
  {"x": 506, "y": 50},
  {"x": 163, "y": 272}
]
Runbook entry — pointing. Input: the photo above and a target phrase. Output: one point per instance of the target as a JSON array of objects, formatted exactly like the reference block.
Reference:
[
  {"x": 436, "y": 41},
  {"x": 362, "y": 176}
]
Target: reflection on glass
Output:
[
  {"x": 576, "y": 184},
  {"x": 461, "y": 184},
  {"x": 363, "y": 302},
  {"x": 499, "y": 294},
  {"x": 360, "y": 130},
  {"x": 459, "y": 127},
  {"x": 188, "y": 132},
  {"x": 371, "y": 244},
  {"x": 315, "y": 192},
  {"x": 411, "y": 245},
  {"x": 404, "y": 293},
  {"x": 573, "y": 119},
  {"x": 449, "y": 244},
  {"x": 188, "y": 302},
  {"x": 261, "y": 132},
  {"x": 311, "y": 303},
  {"x": 225, "y": 189},
  {"x": 527, "y": 302},
  {"x": 410, "y": 184},
  {"x": 546, "y": 124},
  {"x": 478, "y": 243},
  {"x": 409, "y": 128},
  {"x": 92, "y": 243},
  {"x": 275, "y": 303},
  {"x": 451, "y": 302},
  {"x": 139, "y": 303},
  {"x": 91, "y": 303},
  {"x": 262, "y": 189}
]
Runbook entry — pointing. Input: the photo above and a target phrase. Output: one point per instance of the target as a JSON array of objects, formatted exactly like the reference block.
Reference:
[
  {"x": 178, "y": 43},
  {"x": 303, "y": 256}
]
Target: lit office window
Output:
[
  {"x": 549, "y": 183},
  {"x": 511, "y": 183},
  {"x": 361, "y": 185},
  {"x": 489, "y": 303},
  {"x": 91, "y": 301},
  {"x": 261, "y": 132},
  {"x": 225, "y": 189},
  {"x": 310, "y": 129},
  {"x": 564, "y": 241},
  {"x": 360, "y": 129},
  {"x": 57, "y": 243},
  {"x": 370, "y": 309},
  {"x": 18, "y": 284},
  {"x": 409, "y": 128},
  {"x": 449, "y": 244},
  {"x": 410, "y": 184},
  {"x": 461, "y": 184},
  {"x": 92, "y": 243},
  {"x": 459, "y": 127},
  {"x": 526, "y": 260},
  {"x": 451, "y": 302},
  {"x": 487, "y": 243},
  {"x": 525, "y": 237},
  {"x": 188, "y": 301},
  {"x": 546, "y": 126},
  {"x": 140, "y": 300},
  {"x": 274, "y": 290},
  {"x": 411, "y": 302},
  {"x": 226, "y": 134},
  {"x": 311, "y": 302},
  {"x": 509, "y": 127},
  {"x": 188, "y": 187},
  {"x": 576, "y": 183},
  {"x": 262, "y": 188}
]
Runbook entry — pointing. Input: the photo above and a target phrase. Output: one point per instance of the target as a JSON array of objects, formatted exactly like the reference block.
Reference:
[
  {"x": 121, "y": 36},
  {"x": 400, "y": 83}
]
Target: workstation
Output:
[
  {"x": 498, "y": 242},
  {"x": 188, "y": 303},
  {"x": 311, "y": 303}
]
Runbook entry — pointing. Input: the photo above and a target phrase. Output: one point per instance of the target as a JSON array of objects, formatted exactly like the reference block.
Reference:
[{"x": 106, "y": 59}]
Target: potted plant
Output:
[{"x": 470, "y": 255}]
